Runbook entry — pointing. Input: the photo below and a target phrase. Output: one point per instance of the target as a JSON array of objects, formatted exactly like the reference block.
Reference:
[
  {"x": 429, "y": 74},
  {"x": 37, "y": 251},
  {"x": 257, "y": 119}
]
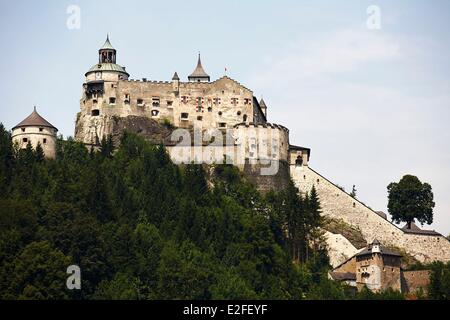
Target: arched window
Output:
[{"x": 244, "y": 118}]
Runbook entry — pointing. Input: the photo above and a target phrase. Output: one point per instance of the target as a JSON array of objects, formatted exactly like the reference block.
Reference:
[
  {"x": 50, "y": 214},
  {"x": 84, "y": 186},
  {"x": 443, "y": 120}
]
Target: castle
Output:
[{"x": 222, "y": 111}]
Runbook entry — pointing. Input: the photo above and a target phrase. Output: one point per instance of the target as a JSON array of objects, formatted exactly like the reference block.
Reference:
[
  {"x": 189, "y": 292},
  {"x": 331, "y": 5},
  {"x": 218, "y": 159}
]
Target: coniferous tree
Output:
[{"x": 39, "y": 153}]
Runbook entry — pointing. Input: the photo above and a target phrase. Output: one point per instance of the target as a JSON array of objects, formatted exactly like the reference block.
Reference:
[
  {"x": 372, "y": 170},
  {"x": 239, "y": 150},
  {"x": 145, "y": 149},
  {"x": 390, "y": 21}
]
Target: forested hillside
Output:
[{"x": 140, "y": 227}]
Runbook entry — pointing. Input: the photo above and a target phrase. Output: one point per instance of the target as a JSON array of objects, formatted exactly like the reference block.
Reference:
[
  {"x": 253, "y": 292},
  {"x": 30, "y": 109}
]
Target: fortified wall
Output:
[
  {"x": 340, "y": 205},
  {"x": 112, "y": 103}
]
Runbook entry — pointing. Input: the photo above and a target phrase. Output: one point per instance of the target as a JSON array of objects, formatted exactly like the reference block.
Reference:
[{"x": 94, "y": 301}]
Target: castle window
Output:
[
  {"x": 95, "y": 112},
  {"x": 23, "y": 129},
  {"x": 209, "y": 109},
  {"x": 216, "y": 101},
  {"x": 246, "y": 101},
  {"x": 299, "y": 161},
  {"x": 234, "y": 101},
  {"x": 354, "y": 204},
  {"x": 220, "y": 113},
  {"x": 25, "y": 139},
  {"x": 238, "y": 113},
  {"x": 140, "y": 102},
  {"x": 244, "y": 118},
  {"x": 199, "y": 101},
  {"x": 155, "y": 113},
  {"x": 184, "y": 116},
  {"x": 169, "y": 103},
  {"x": 155, "y": 101},
  {"x": 41, "y": 129},
  {"x": 199, "y": 118},
  {"x": 184, "y": 99},
  {"x": 222, "y": 125},
  {"x": 112, "y": 100},
  {"x": 94, "y": 101},
  {"x": 44, "y": 140}
]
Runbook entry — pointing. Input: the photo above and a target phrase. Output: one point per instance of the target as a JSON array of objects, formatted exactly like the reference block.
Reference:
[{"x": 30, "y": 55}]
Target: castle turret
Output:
[
  {"x": 263, "y": 106},
  {"x": 35, "y": 130},
  {"x": 199, "y": 75},
  {"x": 176, "y": 83},
  {"x": 106, "y": 69}
]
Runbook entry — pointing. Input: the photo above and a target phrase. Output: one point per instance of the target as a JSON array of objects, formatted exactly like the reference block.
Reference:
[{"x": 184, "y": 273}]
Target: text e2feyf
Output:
[{"x": 230, "y": 309}]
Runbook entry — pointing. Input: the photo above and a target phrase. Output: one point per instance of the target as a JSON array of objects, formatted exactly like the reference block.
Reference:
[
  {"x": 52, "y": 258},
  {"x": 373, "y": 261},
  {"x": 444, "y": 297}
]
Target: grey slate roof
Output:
[
  {"x": 415, "y": 229},
  {"x": 34, "y": 120},
  {"x": 107, "y": 67},
  {"x": 175, "y": 76},
  {"x": 107, "y": 45},
  {"x": 262, "y": 103},
  {"x": 199, "y": 72},
  {"x": 341, "y": 276},
  {"x": 384, "y": 251}
]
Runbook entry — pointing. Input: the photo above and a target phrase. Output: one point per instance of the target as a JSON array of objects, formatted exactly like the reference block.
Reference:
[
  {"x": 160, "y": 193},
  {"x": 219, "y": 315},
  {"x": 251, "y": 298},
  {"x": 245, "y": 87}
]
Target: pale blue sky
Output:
[{"x": 371, "y": 104}]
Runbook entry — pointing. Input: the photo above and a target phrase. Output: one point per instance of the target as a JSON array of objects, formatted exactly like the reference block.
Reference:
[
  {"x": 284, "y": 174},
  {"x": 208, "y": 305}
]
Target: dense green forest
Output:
[{"x": 140, "y": 227}]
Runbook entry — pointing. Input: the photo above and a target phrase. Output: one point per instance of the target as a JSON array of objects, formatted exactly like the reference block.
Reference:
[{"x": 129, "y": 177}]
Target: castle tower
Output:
[
  {"x": 176, "y": 83},
  {"x": 199, "y": 74},
  {"x": 106, "y": 69},
  {"x": 378, "y": 268},
  {"x": 263, "y": 106},
  {"x": 35, "y": 129}
]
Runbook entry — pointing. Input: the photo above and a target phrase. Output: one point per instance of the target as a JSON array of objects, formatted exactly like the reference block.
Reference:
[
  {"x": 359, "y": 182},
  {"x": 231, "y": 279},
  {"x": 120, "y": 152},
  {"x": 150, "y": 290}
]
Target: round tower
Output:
[
  {"x": 36, "y": 130},
  {"x": 106, "y": 69}
]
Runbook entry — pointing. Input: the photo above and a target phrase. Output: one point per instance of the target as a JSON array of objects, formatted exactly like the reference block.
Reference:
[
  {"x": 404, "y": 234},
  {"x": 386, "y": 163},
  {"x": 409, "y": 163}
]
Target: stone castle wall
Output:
[
  {"x": 45, "y": 136},
  {"x": 340, "y": 205},
  {"x": 219, "y": 104},
  {"x": 413, "y": 281}
]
